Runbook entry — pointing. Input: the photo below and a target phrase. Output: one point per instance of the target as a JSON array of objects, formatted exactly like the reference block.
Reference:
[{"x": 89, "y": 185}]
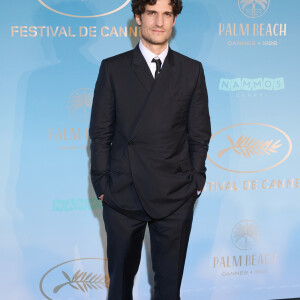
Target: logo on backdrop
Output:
[
  {"x": 80, "y": 104},
  {"x": 101, "y": 8},
  {"x": 72, "y": 278},
  {"x": 79, "y": 108},
  {"x": 251, "y": 85},
  {"x": 245, "y": 235},
  {"x": 249, "y": 148},
  {"x": 252, "y": 34},
  {"x": 247, "y": 259},
  {"x": 253, "y": 8}
]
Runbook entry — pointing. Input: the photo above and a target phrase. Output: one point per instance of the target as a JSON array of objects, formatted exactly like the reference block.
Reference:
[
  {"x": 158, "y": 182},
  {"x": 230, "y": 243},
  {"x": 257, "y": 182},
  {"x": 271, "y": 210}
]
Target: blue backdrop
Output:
[{"x": 245, "y": 239}]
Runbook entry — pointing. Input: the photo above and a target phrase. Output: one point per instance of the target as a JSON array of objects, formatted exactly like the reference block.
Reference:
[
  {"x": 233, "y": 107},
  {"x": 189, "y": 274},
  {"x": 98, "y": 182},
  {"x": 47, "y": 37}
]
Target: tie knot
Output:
[{"x": 157, "y": 61}]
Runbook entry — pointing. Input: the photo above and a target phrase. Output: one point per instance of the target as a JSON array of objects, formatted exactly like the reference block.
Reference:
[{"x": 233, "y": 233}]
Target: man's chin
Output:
[{"x": 158, "y": 41}]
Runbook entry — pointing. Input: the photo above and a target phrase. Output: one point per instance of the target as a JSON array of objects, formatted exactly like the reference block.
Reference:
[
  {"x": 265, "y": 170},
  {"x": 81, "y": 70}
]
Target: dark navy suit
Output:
[{"x": 149, "y": 141}]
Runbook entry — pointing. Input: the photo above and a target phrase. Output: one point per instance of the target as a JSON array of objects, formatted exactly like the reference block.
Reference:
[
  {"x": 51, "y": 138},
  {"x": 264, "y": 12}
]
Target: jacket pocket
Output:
[{"x": 187, "y": 168}]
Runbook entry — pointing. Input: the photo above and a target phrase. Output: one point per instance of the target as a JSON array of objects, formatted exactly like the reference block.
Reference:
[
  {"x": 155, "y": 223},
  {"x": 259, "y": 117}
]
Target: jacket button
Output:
[{"x": 131, "y": 142}]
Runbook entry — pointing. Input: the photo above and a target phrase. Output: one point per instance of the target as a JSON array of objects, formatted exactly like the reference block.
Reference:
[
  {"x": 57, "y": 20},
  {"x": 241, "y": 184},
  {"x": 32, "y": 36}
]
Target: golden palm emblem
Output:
[
  {"x": 84, "y": 282},
  {"x": 248, "y": 147}
]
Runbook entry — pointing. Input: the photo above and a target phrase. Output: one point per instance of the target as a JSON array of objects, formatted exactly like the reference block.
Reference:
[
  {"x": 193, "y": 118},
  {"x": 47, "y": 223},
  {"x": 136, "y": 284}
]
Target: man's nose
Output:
[{"x": 159, "y": 20}]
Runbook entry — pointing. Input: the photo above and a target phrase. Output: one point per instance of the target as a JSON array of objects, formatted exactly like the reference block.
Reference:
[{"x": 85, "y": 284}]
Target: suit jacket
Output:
[{"x": 149, "y": 137}]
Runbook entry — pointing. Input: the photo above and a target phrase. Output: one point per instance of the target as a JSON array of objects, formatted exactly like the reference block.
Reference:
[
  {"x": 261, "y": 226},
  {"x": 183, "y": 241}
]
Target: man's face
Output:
[{"x": 156, "y": 22}]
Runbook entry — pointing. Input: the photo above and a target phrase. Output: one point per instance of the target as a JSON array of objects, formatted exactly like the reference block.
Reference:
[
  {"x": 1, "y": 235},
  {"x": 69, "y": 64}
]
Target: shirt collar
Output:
[{"x": 149, "y": 55}]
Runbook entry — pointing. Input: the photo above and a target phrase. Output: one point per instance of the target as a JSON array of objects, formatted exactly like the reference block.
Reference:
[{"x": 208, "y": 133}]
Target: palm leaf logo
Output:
[
  {"x": 80, "y": 101},
  {"x": 82, "y": 281},
  {"x": 262, "y": 3},
  {"x": 254, "y": 10},
  {"x": 249, "y": 147},
  {"x": 80, "y": 104},
  {"x": 245, "y": 235}
]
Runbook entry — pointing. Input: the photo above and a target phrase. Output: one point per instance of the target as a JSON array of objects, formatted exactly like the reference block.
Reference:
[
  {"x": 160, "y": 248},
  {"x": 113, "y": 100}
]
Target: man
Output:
[{"x": 149, "y": 130}]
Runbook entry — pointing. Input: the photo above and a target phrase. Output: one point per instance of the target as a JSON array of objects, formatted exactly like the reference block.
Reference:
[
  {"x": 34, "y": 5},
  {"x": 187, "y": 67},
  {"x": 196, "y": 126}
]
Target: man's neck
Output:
[{"x": 156, "y": 49}]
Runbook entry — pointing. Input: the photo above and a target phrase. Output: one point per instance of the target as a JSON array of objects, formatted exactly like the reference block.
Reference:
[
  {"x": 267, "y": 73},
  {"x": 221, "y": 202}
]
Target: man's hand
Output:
[{"x": 101, "y": 197}]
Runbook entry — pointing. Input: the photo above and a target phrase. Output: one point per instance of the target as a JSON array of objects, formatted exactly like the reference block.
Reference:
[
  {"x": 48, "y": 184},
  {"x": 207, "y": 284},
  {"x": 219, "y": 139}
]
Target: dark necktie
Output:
[{"x": 158, "y": 66}]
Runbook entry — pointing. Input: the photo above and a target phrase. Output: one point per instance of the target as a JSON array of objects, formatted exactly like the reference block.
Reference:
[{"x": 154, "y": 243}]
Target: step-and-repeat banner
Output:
[{"x": 245, "y": 240}]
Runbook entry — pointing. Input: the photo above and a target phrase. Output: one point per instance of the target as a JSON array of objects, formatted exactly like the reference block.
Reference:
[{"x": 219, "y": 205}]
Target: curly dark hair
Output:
[{"x": 138, "y": 6}]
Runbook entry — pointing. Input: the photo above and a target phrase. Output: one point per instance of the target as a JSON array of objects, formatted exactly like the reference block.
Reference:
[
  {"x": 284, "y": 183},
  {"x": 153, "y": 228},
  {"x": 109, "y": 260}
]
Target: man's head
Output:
[{"x": 156, "y": 19}]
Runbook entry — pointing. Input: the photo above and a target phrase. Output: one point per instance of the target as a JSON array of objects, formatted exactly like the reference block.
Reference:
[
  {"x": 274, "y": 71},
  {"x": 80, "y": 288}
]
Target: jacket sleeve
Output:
[
  {"x": 101, "y": 129},
  {"x": 199, "y": 129}
]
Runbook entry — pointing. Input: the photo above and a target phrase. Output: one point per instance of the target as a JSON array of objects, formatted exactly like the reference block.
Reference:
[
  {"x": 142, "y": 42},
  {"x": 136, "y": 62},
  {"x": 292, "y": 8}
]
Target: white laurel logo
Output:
[
  {"x": 245, "y": 235},
  {"x": 253, "y": 8}
]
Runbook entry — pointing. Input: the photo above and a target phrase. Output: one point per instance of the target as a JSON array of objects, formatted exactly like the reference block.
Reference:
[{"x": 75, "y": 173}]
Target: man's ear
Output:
[{"x": 138, "y": 19}]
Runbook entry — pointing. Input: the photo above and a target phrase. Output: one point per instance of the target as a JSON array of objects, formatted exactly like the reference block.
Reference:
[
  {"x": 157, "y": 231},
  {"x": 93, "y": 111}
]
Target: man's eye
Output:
[{"x": 150, "y": 13}]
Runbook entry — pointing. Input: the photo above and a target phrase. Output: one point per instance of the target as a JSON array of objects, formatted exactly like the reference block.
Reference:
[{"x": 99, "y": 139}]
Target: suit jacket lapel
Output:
[{"x": 141, "y": 69}]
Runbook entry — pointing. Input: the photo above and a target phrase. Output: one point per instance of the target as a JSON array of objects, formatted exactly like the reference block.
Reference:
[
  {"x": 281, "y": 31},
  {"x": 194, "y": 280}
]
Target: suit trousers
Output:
[{"x": 169, "y": 238}]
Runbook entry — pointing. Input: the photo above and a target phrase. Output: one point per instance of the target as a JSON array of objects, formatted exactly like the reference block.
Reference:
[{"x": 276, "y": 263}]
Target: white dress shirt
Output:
[{"x": 149, "y": 55}]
